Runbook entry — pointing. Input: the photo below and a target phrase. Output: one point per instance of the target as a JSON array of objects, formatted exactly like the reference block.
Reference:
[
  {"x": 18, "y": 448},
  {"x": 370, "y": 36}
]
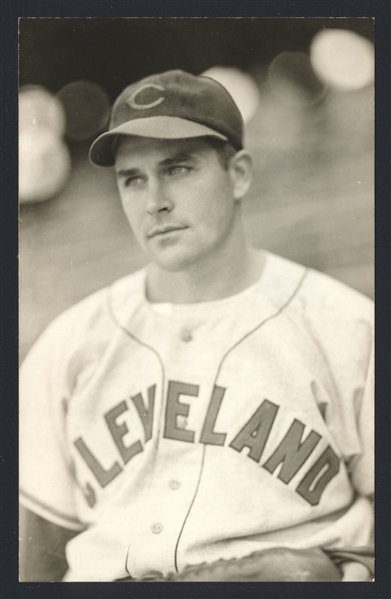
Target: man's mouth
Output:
[{"x": 165, "y": 230}]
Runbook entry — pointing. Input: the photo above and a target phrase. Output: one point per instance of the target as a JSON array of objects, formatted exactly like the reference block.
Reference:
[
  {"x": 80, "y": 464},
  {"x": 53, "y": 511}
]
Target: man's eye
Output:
[
  {"x": 132, "y": 181},
  {"x": 178, "y": 170}
]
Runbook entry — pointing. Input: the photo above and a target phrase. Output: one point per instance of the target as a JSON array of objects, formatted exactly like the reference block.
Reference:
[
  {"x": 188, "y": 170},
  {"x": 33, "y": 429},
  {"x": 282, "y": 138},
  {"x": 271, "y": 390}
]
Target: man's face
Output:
[{"x": 179, "y": 200}]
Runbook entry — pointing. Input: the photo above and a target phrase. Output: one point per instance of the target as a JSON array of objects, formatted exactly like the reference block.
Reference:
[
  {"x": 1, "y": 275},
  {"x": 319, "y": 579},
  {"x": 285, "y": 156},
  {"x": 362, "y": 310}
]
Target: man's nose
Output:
[{"x": 158, "y": 198}]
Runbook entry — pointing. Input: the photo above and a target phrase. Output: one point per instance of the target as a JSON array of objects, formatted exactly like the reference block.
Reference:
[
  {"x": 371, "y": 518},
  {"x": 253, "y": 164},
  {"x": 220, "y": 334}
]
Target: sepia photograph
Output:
[{"x": 196, "y": 299}]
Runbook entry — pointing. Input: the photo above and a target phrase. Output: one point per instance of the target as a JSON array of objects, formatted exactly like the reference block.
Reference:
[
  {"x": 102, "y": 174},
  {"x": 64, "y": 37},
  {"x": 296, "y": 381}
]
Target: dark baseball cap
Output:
[{"x": 171, "y": 105}]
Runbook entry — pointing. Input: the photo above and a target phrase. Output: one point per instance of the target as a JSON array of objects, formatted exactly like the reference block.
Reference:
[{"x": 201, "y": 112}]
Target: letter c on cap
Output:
[{"x": 132, "y": 99}]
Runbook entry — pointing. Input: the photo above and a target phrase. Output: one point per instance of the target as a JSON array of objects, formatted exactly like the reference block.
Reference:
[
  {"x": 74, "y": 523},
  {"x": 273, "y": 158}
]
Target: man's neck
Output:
[{"x": 213, "y": 280}]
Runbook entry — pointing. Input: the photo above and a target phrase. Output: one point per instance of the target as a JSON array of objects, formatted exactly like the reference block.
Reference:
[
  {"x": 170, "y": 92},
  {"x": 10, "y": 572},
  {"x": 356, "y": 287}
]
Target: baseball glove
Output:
[{"x": 279, "y": 564}]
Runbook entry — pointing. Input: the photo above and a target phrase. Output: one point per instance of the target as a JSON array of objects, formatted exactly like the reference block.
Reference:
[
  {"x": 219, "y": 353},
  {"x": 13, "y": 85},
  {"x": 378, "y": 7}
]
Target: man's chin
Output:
[{"x": 173, "y": 261}]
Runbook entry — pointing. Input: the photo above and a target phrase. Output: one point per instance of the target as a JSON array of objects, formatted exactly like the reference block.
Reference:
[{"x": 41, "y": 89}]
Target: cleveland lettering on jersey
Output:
[{"x": 288, "y": 458}]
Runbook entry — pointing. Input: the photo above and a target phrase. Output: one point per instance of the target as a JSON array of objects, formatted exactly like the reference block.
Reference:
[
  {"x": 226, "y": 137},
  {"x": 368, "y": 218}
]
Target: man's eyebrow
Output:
[
  {"x": 179, "y": 157},
  {"x": 127, "y": 172}
]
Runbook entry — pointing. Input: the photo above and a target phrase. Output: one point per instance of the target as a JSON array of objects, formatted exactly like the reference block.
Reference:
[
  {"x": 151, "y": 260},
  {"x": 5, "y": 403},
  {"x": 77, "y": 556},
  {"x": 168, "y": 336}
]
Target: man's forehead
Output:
[{"x": 131, "y": 147}]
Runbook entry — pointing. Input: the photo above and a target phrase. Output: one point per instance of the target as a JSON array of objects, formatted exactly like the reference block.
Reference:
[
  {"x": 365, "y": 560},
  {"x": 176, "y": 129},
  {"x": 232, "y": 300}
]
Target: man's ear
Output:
[{"x": 240, "y": 170}]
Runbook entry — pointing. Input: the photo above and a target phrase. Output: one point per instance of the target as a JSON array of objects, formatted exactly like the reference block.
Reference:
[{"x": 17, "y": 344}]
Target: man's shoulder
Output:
[
  {"x": 342, "y": 296},
  {"x": 317, "y": 282},
  {"x": 316, "y": 292},
  {"x": 95, "y": 312},
  {"x": 330, "y": 296}
]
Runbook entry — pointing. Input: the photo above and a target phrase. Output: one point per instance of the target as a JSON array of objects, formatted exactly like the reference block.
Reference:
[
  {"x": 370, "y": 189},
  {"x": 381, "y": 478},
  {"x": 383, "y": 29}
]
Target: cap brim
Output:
[{"x": 157, "y": 127}]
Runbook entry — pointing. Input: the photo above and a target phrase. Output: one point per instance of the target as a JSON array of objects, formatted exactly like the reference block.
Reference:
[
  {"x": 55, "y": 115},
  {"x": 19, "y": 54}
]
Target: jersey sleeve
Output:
[
  {"x": 362, "y": 465},
  {"x": 341, "y": 322},
  {"x": 46, "y": 480}
]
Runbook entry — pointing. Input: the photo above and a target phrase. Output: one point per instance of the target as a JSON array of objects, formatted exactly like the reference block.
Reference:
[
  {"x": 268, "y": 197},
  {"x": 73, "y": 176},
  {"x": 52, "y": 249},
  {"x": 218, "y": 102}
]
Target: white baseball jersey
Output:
[{"x": 171, "y": 434}]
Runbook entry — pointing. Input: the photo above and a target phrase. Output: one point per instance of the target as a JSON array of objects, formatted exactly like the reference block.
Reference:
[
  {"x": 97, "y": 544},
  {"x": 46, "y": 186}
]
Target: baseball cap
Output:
[{"x": 170, "y": 105}]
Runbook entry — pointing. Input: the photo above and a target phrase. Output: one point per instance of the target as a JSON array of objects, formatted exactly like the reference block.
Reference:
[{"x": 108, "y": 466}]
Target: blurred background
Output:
[{"x": 306, "y": 92}]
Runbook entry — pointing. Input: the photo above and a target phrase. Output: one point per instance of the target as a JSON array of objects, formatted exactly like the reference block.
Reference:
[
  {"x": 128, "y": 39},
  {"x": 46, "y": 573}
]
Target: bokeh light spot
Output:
[
  {"x": 292, "y": 80},
  {"x": 241, "y": 86},
  {"x": 44, "y": 164},
  {"x": 39, "y": 108},
  {"x": 87, "y": 109},
  {"x": 343, "y": 59}
]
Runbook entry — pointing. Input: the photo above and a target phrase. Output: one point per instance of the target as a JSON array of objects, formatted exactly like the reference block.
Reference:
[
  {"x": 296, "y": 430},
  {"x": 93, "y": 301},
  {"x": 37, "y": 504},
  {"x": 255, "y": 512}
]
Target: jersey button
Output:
[
  {"x": 186, "y": 335},
  {"x": 157, "y": 528},
  {"x": 174, "y": 484}
]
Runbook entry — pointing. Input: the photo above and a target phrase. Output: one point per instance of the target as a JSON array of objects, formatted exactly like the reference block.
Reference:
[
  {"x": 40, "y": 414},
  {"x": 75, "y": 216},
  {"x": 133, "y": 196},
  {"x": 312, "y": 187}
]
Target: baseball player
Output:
[{"x": 215, "y": 403}]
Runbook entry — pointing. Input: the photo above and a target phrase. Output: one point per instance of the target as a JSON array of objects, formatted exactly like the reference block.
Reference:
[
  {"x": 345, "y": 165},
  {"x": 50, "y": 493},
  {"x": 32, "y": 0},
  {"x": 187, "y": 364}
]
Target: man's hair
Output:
[{"x": 224, "y": 150}]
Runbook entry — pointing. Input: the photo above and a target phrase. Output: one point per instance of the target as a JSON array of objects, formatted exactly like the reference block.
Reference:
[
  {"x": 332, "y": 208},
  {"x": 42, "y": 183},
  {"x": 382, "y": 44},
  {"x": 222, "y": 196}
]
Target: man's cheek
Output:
[
  {"x": 141, "y": 240},
  {"x": 133, "y": 220}
]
